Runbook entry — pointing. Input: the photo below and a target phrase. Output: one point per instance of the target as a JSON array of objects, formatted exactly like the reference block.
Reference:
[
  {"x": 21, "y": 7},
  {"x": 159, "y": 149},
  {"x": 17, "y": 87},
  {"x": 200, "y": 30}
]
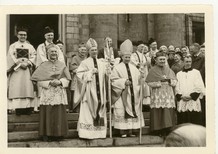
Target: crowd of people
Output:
[{"x": 168, "y": 82}]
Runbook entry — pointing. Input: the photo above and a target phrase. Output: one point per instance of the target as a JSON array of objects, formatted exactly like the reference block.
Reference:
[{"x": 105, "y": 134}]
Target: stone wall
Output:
[
  {"x": 169, "y": 29},
  {"x": 102, "y": 25},
  {"x": 133, "y": 27},
  {"x": 72, "y": 33}
]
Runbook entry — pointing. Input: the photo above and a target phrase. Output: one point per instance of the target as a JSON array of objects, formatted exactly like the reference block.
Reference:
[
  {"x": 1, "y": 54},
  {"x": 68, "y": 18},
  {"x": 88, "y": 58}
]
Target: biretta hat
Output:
[
  {"x": 48, "y": 30},
  {"x": 82, "y": 45},
  {"x": 151, "y": 40},
  {"x": 140, "y": 45},
  {"x": 22, "y": 29}
]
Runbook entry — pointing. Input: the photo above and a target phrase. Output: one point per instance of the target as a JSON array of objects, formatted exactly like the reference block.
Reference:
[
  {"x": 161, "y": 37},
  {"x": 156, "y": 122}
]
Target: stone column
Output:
[
  {"x": 170, "y": 29},
  {"x": 102, "y": 25},
  {"x": 150, "y": 26}
]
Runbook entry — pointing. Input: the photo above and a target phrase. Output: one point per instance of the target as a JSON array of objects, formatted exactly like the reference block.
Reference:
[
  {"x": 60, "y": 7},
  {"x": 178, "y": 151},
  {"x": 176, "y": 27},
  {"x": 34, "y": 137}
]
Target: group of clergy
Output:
[{"x": 124, "y": 81}]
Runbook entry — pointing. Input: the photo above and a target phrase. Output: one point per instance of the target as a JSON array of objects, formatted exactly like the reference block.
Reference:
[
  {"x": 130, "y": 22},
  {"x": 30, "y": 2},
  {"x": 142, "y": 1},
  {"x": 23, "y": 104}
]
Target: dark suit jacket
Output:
[
  {"x": 198, "y": 62},
  {"x": 101, "y": 53}
]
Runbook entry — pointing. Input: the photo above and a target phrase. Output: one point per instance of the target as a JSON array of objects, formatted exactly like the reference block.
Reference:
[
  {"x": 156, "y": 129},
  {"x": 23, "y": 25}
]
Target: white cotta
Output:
[{"x": 189, "y": 82}]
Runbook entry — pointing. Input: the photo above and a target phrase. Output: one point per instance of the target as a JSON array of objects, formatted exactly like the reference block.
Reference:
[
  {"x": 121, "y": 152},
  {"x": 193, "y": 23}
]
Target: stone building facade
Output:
[
  {"x": 72, "y": 29},
  {"x": 167, "y": 29}
]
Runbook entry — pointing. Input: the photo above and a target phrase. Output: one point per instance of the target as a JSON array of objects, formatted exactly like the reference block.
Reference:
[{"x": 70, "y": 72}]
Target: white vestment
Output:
[
  {"x": 89, "y": 99},
  {"x": 20, "y": 87},
  {"x": 123, "y": 103},
  {"x": 189, "y": 82},
  {"x": 139, "y": 58}
]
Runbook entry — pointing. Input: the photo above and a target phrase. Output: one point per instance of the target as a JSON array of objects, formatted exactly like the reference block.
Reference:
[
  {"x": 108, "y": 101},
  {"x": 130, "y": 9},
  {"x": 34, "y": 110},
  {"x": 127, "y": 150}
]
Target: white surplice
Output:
[{"x": 189, "y": 82}]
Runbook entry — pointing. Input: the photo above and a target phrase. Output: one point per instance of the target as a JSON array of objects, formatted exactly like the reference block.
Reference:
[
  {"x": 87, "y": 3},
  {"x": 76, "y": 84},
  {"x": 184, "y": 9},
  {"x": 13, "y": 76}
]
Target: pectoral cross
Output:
[
  {"x": 164, "y": 76},
  {"x": 54, "y": 68}
]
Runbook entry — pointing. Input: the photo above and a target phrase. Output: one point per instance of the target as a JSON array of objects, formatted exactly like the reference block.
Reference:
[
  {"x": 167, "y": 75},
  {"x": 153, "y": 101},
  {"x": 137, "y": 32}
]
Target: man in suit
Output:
[{"x": 198, "y": 62}]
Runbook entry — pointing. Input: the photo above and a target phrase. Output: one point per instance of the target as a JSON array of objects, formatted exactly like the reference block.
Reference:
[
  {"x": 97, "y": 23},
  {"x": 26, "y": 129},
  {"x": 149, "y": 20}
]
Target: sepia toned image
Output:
[
  {"x": 112, "y": 79},
  {"x": 106, "y": 80}
]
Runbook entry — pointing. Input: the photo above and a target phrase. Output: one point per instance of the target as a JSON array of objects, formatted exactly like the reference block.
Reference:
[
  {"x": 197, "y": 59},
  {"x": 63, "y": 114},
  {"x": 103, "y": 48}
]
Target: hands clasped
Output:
[
  {"x": 55, "y": 82},
  {"x": 128, "y": 83},
  {"x": 94, "y": 70},
  {"x": 186, "y": 98}
]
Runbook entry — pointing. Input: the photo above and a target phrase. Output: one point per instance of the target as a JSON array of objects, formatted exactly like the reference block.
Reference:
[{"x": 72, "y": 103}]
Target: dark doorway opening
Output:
[
  {"x": 35, "y": 25},
  {"x": 198, "y": 32}
]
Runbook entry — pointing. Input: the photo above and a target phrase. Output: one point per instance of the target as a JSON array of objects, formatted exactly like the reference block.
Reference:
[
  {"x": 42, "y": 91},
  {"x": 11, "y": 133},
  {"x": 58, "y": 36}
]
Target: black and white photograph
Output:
[{"x": 108, "y": 80}]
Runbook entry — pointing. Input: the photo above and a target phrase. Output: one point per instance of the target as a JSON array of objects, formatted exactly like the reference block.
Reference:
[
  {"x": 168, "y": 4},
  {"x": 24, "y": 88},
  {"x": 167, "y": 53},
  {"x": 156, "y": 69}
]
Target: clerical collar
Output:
[
  {"x": 21, "y": 42},
  {"x": 47, "y": 43},
  {"x": 188, "y": 69}
]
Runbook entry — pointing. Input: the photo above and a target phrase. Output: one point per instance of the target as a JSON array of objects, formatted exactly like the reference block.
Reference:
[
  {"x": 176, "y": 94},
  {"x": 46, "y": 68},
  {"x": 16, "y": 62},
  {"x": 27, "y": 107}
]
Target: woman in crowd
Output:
[
  {"x": 184, "y": 50},
  {"x": 161, "y": 79},
  {"x": 53, "y": 76},
  {"x": 178, "y": 63}
]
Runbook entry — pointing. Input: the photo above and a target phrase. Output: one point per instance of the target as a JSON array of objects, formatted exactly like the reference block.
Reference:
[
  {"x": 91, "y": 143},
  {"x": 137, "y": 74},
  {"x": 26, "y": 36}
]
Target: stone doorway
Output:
[{"x": 35, "y": 25}]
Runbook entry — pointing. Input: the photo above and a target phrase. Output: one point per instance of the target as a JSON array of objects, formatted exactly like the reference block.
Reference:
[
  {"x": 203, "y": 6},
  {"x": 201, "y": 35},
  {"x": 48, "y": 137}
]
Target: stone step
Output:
[
  {"x": 147, "y": 141},
  {"x": 34, "y": 126},
  {"x": 35, "y": 117},
  {"x": 33, "y": 135}
]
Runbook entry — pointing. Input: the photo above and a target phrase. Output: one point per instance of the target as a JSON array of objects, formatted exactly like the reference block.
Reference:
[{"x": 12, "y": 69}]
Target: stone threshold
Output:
[{"x": 147, "y": 141}]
